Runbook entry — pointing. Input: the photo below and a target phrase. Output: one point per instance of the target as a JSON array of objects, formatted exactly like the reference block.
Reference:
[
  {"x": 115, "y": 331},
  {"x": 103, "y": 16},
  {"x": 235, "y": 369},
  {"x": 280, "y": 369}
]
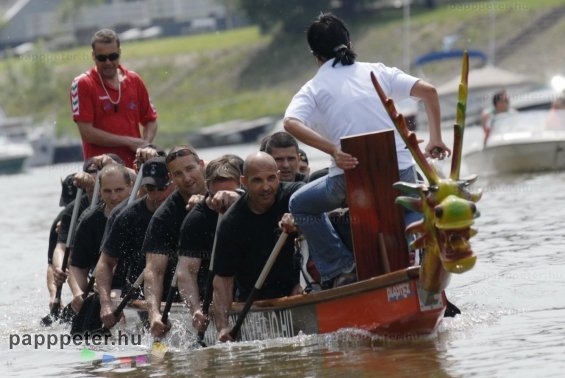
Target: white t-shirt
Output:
[{"x": 341, "y": 101}]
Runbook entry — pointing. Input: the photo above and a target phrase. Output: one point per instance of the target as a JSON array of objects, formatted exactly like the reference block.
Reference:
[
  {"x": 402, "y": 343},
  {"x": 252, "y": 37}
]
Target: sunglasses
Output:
[
  {"x": 151, "y": 188},
  {"x": 180, "y": 153},
  {"x": 112, "y": 57}
]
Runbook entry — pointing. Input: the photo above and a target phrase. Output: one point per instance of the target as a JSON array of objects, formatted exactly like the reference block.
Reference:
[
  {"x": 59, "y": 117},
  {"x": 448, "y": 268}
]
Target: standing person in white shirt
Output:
[{"x": 340, "y": 101}]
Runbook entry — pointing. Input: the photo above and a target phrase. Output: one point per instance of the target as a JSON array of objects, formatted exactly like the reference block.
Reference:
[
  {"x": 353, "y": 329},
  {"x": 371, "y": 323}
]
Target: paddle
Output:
[
  {"x": 451, "y": 310},
  {"x": 159, "y": 349},
  {"x": 83, "y": 322},
  {"x": 56, "y": 305},
  {"x": 136, "y": 185},
  {"x": 209, "y": 281},
  {"x": 234, "y": 333},
  {"x": 96, "y": 192},
  {"x": 118, "y": 311}
]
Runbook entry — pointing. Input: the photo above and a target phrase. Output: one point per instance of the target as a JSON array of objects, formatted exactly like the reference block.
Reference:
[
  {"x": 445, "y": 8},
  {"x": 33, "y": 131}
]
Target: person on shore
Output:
[
  {"x": 186, "y": 170},
  {"x": 125, "y": 238},
  {"x": 246, "y": 236},
  {"x": 109, "y": 102},
  {"x": 556, "y": 117},
  {"x": 197, "y": 234},
  {"x": 284, "y": 149},
  {"x": 340, "y": 101},
  {"x": 115, "y": 187}
]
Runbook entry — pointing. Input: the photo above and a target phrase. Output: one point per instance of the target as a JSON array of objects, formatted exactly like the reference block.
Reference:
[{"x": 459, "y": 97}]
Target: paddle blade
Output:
[
  {"x": 67, "y": 315},
  {"x": 46, "y": 321},
  {"x": 159, "y": 349},
  {"x": 88, "y": 318},
  {"x": 53, "y": 315}
]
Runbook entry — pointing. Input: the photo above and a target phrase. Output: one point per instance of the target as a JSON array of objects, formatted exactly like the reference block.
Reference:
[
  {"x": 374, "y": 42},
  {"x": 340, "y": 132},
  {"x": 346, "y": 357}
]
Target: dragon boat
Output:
[{"x": 391, "y": 299}]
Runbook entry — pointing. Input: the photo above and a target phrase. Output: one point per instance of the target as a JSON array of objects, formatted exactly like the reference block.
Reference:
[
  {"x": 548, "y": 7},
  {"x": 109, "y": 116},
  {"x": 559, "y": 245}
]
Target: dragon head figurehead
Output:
[{"x": 447, "y": 204}]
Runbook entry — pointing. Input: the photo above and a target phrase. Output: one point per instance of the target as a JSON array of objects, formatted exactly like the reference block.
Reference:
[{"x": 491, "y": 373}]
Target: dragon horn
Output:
[
  {"x": 410, "y": 203},
  {"x": 459, "y": 126},
  {"x": 408, "y": 136}
]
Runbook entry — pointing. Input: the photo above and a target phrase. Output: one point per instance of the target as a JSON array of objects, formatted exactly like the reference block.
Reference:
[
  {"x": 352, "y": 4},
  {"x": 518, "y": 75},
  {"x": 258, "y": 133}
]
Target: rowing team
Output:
[{"x": 171, "y": 224}]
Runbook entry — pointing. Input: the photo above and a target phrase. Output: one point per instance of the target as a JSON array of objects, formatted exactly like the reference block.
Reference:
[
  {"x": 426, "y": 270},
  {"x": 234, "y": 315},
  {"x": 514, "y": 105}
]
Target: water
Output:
[{"x": 512, "y": 302}]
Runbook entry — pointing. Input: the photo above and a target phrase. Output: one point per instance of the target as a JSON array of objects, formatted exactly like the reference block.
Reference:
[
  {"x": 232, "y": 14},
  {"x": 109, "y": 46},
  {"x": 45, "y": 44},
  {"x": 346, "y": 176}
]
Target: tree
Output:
[{"x": 293, "y": 15}]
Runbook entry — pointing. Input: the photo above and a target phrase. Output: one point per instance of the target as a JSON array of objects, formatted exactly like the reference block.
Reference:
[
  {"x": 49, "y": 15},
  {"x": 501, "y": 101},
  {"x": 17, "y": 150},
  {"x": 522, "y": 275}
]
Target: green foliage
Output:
[
  {"x": 30, "y": 83},
  {"x": 294, "y": 15},
  {"x": 70, "y": 8},
  {"x": 199, "y": 80}
]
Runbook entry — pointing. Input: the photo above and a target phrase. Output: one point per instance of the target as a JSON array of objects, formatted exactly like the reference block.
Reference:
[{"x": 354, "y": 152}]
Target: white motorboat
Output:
[
  {"x": 13, "y": 156},
  {"x": 529, "y": 141}
]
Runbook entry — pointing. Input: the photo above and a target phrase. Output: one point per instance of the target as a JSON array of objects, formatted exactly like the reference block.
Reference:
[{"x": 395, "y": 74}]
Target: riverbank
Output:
[{"x": 196, "y": 81}]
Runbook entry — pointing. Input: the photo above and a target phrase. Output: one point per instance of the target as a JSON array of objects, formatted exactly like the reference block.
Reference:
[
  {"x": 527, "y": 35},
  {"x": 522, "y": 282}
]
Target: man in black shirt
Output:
[
  {"x": 68, "y": 194},
  {"x": 115, "y": 186},
  {"x": 125, "y": 238},
  {"x": 197, "y": 234},
  {"x": 186, "y": 170},
  {"x": 85, "y": 180},
  {"x": 246, "y": 236}
]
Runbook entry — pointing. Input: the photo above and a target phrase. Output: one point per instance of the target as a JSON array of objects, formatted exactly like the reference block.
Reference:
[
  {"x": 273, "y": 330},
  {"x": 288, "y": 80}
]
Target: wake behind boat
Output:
[{"x": 529, "y": 141}]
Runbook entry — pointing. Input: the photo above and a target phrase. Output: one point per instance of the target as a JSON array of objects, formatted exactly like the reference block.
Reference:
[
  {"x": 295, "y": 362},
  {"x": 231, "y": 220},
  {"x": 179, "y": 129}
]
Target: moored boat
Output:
[{"x": 13, "y": 156}]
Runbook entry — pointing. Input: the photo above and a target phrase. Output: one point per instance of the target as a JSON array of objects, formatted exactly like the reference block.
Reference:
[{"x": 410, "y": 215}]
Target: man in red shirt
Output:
[{"x": 109, "y": 103}]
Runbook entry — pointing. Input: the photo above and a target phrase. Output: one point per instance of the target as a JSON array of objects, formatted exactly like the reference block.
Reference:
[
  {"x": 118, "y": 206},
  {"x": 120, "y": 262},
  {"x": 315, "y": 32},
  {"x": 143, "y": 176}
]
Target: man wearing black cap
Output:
[{"x": 126, "y": 236}]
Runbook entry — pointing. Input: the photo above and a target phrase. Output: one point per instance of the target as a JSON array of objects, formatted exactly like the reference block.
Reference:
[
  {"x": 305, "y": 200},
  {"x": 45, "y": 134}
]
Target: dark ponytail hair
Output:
[{"x": 328, "y": 38}]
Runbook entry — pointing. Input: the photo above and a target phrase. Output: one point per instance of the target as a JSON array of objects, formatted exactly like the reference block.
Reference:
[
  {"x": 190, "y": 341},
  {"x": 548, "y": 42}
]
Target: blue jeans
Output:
[{"x": 309, "y": 205}]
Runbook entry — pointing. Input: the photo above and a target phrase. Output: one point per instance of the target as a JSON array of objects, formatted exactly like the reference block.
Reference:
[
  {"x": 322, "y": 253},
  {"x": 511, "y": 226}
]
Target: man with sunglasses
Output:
[
  {"x": 109, "y": 102},
  {"x": 125, "y": 238}
]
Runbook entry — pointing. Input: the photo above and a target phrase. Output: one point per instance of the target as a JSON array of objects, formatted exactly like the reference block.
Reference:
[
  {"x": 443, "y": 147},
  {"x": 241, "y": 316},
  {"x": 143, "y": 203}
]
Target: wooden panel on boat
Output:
[{"x": 370, "y": 197}]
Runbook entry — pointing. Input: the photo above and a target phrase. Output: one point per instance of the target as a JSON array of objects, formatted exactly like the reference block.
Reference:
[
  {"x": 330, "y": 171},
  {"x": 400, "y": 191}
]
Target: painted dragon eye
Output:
[{"x": 438, "y": 212}]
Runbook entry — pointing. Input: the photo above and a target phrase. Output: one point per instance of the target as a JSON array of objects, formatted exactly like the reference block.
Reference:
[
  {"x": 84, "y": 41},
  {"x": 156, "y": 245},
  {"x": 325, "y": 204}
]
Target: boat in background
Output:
[
  {"x": 530, "y": 141},
  {"x": 13, "y": 156},
  {"x": 48, "y": 149},
  {"x": 42, "y": 138}
]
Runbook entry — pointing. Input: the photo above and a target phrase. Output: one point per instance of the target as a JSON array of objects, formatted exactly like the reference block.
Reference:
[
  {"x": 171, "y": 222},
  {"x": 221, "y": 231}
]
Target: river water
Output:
[{"x": 512, "y": 302}]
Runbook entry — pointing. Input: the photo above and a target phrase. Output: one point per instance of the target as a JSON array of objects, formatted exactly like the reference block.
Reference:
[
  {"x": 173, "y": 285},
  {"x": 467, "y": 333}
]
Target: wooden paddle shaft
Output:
[
  {"x": 70, "y": 238},
  {"x": 209, "y": 279},
  {"x": 264, "y": 273},
  {"x": 136, "y": 185},
  {"x": 271, "y": 261},
  {"x": 96, "y": 192},
  {"x": 129, "y": 294},
  {"x": 170, "y": 296}
]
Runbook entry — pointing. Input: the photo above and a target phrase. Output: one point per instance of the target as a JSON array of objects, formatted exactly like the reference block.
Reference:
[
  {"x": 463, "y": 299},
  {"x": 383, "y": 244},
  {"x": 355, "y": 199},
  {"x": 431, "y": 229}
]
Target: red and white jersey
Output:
[{"x": 91, "y": 103}]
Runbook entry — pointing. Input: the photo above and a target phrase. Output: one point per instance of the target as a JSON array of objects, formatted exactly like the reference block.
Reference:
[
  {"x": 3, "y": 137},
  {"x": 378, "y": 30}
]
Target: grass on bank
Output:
[{"x": 240, "y": 74}]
